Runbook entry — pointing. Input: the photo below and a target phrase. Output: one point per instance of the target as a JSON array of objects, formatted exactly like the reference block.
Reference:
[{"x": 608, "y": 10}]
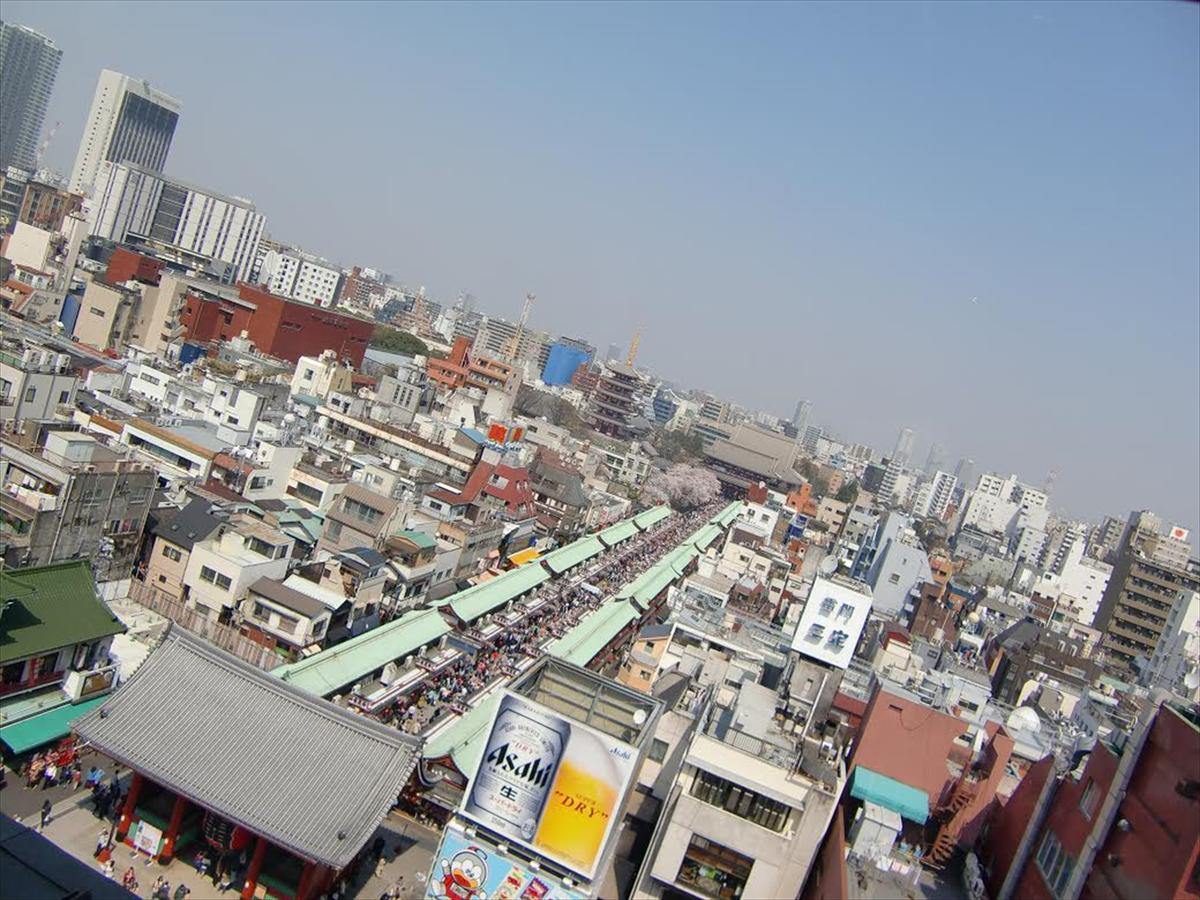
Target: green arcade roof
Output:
[
  {"x": 871, "y": 786},
  {"x": 331, "y": 670},
  {"x": 728, "y": 514},
  {"x": 704, "y": 536},
  {"x": 45, "y": 608},
  {"x": 581, "y": 644},
  {"x": 45, "y": 727},
  {"x": 573, "y": 554},
  {"x": 680, "y": 557},
  {"x": 614, "y": 534},
  {"x": 481, "y": 599},
  {"x": 651, "y": 516},
  {"x": 643, "y": 589}
]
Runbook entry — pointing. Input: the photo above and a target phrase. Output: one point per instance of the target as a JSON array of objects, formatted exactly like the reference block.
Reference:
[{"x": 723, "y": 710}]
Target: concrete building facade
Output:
[{"x": 129, "y": 122}]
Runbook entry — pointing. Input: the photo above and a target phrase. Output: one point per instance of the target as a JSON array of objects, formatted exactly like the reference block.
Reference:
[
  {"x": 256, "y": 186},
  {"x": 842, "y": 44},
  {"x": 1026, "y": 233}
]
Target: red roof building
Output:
[
  {"x": 932, "y": 752},
  {"x": 504, "y": 485},
  {"x": 128, "y": 265},
  {"x": 287, "y": 329},
  {"x": 1127, "y": 827}
]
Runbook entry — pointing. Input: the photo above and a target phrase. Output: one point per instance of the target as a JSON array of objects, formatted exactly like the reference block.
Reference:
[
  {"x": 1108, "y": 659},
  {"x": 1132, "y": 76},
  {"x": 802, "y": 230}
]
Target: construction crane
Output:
[
  {"x": 45, "y": 145},
  {"x": 514, "y": 345},
  {"x": 633, "y": 348}
]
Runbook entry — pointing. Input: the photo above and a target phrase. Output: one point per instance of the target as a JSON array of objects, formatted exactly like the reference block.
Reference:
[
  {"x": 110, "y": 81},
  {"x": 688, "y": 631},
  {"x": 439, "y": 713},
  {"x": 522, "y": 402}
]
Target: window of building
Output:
[
  {"x": 742, "y": 802},
  {"x": 1090, "y": 799},
  {"x": 261, "y": 612},
  {"x": 262, "y": 548},
  {"x": 212, "y": 576},
  {"x": 713, "y": 869},
  {"x": 13, "y": 673},
  {"x": 658, "y": 750},
  {"x": 1055, "y": 864},
  {"x": 894, "y": 578},
  {"x": 64, "y": 396},
  {"x": 171, "y": 553},
  {"x": 30, "y": 394},
  {"x": 361, "y": 511}
]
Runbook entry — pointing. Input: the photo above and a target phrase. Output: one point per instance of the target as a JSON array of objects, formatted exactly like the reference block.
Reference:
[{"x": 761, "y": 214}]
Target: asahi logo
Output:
[{"x": 530, "y": 770}]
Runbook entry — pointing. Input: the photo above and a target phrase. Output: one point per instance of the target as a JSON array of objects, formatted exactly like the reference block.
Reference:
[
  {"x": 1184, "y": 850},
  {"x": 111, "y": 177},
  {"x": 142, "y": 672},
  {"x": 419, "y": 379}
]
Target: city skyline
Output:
[{"x": 892, "y": 171}]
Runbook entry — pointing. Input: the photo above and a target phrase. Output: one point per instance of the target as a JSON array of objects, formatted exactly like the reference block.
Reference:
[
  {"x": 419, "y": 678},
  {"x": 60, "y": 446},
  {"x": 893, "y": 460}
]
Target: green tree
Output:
[
  {"x": 397, "y": 341},
  {"x": 848, "y": 492}
]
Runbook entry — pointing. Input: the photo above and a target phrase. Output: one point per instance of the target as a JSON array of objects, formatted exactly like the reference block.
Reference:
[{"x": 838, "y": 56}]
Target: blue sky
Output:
[{"x": 788, "y": 201}]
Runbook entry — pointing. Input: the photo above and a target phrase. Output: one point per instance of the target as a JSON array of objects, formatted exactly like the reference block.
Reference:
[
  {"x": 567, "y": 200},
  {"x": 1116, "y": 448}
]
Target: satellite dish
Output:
[{"x": 828, "y": 565}]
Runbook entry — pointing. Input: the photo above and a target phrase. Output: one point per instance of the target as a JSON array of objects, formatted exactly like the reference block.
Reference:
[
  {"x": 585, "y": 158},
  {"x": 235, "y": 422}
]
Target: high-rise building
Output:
[
  {"x": 28, "y": 65},
  {"x": 935, "y": 495},
  {"x": 935, "y": 459},
  {"x": 801, "y": 416},
  {"x": 197, "y": 228},
  {"x": 965, "y": 470},
  {"x": 1146, "y": 602},
  {"x": 904, "y": 447},
  {"x": 129, "y": 122}
]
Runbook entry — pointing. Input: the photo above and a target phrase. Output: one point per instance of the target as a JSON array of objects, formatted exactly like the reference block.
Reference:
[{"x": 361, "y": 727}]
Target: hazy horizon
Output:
[{"x": 789, "y": 201}]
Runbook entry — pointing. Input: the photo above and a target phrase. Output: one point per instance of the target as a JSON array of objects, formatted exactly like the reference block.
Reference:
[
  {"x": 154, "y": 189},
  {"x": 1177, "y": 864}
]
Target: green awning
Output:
[
  {"x": 581, "y": 644},
  {"x": 488, "y": 595},
  {"x": 705, "y": 535},
  {"x": 651, "y": 516},
  {"x": 337, "y": 667},
  {"x": 45, "y": 727},
  {"x": 909, "y": 802},
  {"x": 567, "y": 557},
  {"x": 614, "y": 534}
]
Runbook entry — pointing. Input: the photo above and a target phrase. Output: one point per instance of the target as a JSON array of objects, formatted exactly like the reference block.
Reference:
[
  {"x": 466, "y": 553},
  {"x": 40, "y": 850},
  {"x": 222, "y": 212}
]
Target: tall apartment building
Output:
[
  {"x": 801, "y": 416},
  {"x": 203, "y": 230},
  {"x": 1145, "y": 605},
  {"x": 292, "y": 273},
  {"x": 935, "y": 495},
  {"x": 129, "y": 122},
  {"x": 28, "y": 65},
  {"x": 498, "y": 339},
  {"x": 904, "y": 446}
]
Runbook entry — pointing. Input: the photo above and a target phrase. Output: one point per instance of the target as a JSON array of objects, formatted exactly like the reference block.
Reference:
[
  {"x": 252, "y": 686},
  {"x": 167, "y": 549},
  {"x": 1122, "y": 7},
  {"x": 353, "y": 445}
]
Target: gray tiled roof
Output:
[{"x": 296, "y": 769}]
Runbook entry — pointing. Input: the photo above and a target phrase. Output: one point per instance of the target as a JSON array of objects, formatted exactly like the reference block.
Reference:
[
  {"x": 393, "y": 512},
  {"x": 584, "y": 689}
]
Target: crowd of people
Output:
[{"x": 564, "y": 603}]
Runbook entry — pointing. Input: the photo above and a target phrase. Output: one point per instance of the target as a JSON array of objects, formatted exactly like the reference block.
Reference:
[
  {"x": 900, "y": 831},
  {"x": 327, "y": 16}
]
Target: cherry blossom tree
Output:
[{"x": 684, "y": 487}]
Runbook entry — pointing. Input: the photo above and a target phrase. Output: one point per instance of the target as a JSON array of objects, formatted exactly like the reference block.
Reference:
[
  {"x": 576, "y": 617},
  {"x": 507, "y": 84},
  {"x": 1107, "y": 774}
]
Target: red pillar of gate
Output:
[
  {"x": 168, "y": 848},
  {"x": 135, "y": 789},
  {"x": 256, "y": 861}
]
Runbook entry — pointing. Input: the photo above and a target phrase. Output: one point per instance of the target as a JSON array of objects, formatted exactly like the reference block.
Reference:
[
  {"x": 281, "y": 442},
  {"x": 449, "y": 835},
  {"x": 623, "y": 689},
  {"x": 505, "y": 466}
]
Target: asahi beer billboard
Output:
[{"x": 550, "y": 784}]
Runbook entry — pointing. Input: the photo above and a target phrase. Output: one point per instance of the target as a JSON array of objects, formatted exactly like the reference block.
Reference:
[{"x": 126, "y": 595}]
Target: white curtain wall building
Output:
[{"x": 198, "y": 228}]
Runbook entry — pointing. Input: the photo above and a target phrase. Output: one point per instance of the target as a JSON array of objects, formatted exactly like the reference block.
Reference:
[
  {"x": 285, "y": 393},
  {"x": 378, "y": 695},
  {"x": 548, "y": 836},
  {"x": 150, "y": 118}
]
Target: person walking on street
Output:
[
  {"x": 110, "y": 870},
  {"x": 101, "y": 843},
  {"x": 45, "y": 815},
  {"x": 129, "y": 881},
  {"x": 181, "y": 892}
]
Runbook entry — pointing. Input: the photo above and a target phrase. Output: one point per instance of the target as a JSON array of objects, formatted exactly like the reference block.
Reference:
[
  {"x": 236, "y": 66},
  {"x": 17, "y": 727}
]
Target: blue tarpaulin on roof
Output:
[{"x": 909, "y": 802}]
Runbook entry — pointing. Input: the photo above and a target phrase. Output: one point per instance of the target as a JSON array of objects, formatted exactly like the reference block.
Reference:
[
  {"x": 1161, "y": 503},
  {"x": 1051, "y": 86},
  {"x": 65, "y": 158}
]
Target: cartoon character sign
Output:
[{"x": 464, "y": 874}]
